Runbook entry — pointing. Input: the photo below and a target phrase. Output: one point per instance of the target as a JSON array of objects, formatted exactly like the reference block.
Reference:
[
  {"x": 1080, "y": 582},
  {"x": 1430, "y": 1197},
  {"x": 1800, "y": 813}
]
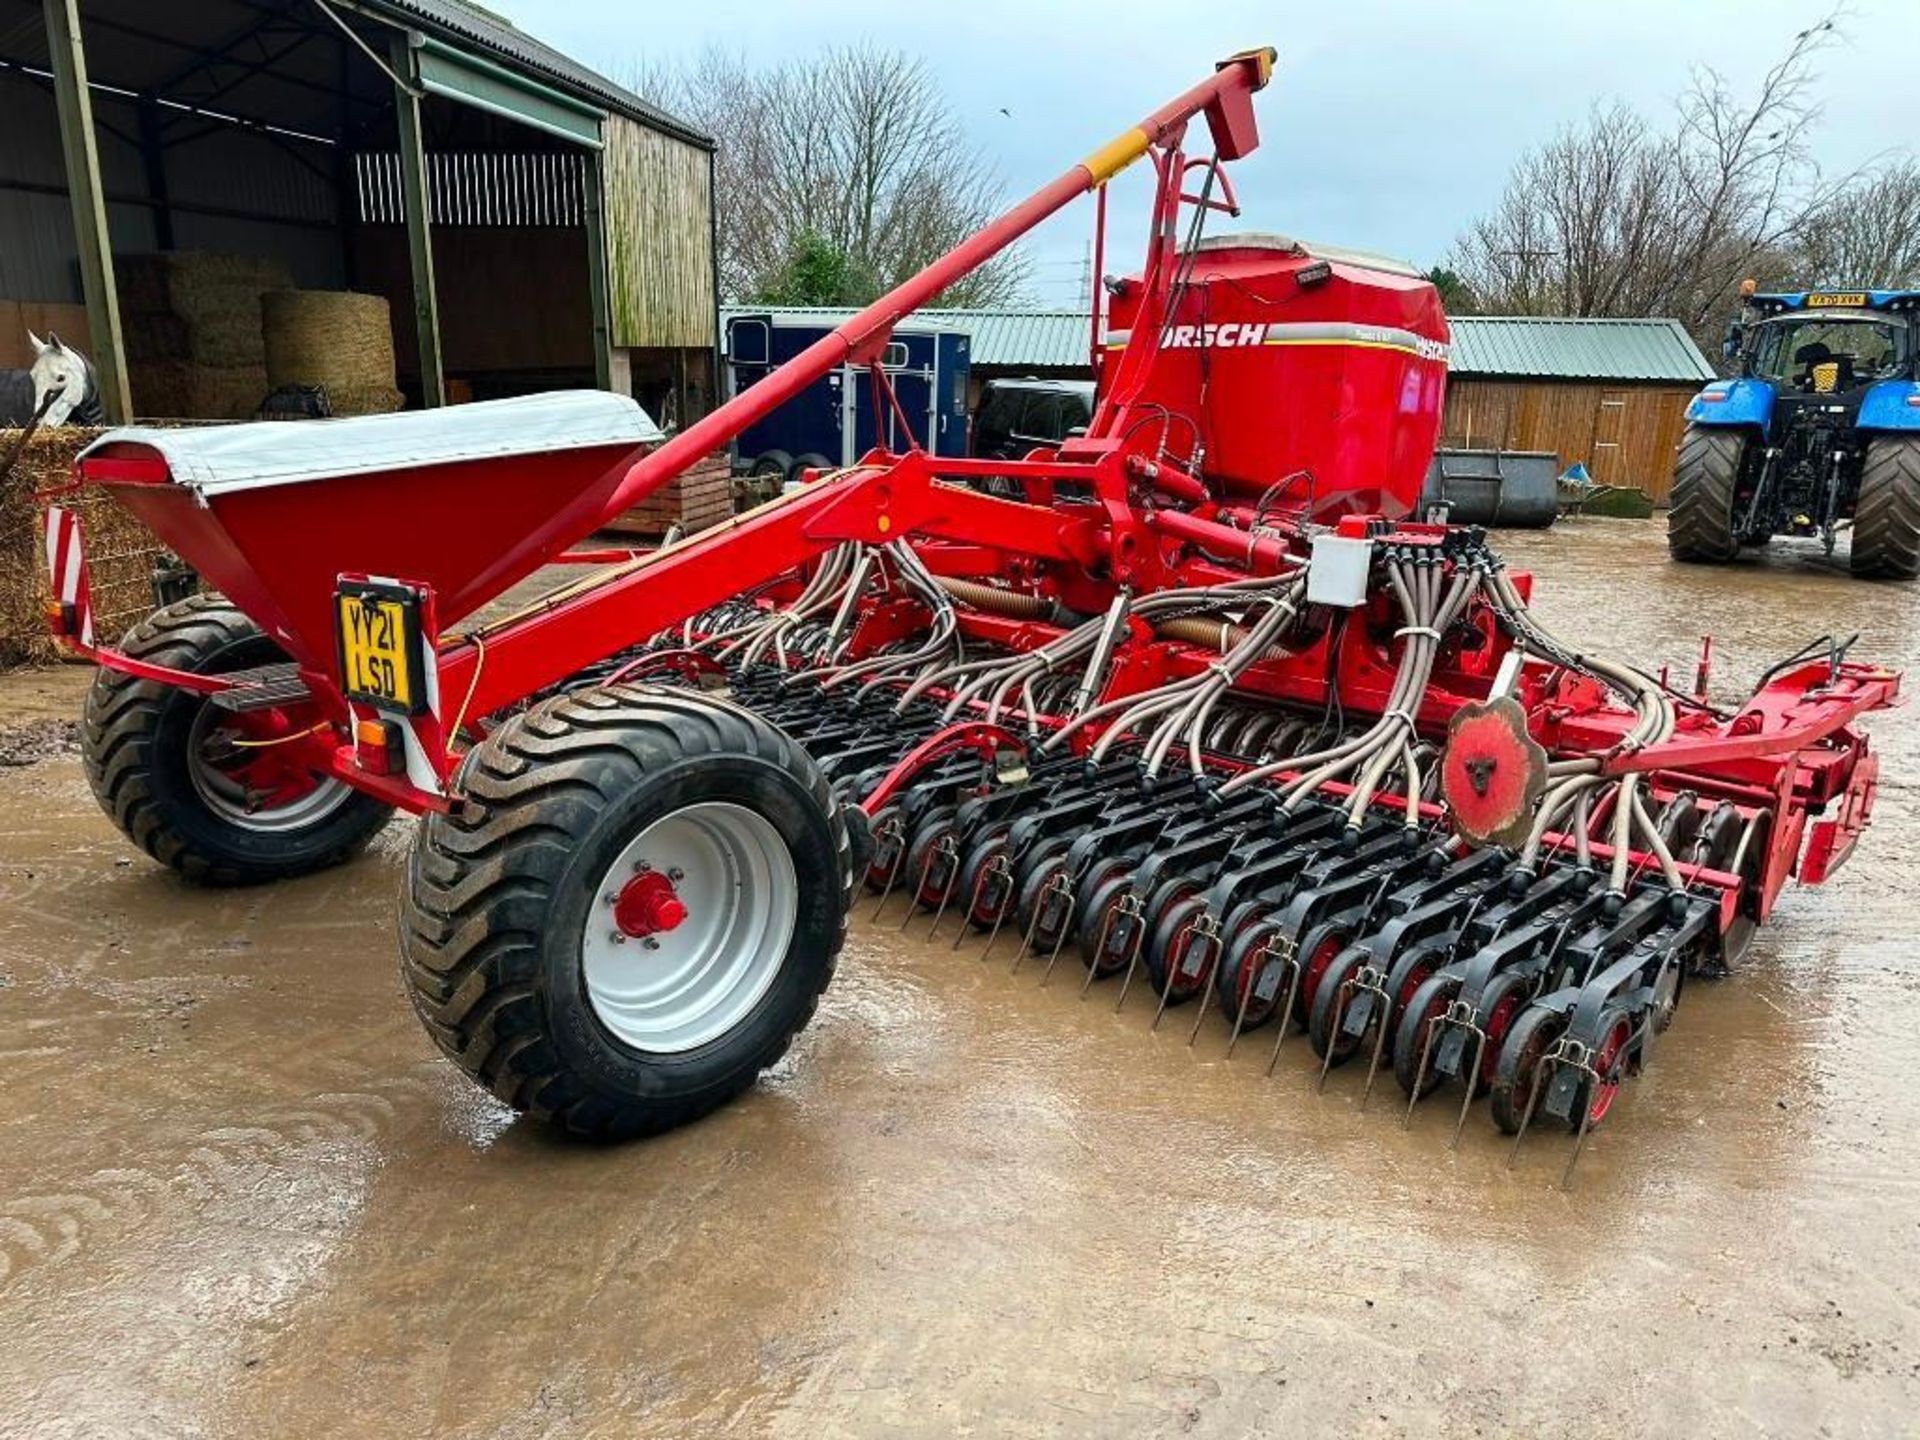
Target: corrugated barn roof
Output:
[
  {"x": 1514, "y": 346},
  {"x": 1547, "y": 348},
  {"x": 508, "y": 42},
  {"x": 1039, "y": 339}
]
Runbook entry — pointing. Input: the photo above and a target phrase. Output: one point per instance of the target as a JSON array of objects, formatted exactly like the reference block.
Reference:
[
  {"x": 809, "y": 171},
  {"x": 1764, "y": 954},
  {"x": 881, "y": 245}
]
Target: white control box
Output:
[{"x": 1337, "y": 572}]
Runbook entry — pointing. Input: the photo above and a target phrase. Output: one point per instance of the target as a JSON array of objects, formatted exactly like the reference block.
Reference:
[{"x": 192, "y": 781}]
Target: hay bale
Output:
[
  {"x": 196, "y": 306},
  {"x": 182, "y": 390},
  {"x": 336, "y": 339},
  {"x": 121, "y": 552},
  {"x": 364, "y": 399}
]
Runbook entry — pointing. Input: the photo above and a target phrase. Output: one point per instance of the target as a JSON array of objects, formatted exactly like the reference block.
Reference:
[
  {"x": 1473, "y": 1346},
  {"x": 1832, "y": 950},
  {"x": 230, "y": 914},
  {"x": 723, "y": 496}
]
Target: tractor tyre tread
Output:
[
  {"x": 1700, "y": 522},
  {"x": 1886, "y": 516},
  {"x": 123, "y": 717}
]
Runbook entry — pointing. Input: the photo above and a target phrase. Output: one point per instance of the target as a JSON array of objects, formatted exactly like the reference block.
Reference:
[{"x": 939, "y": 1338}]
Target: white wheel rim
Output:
[
  {"x": 229, "y": 799},
  {"x": 682, "y": 988}
]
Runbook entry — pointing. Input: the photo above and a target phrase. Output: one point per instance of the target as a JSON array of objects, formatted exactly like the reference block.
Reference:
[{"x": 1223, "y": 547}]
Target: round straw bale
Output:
[{"x": 334, "y": 338}]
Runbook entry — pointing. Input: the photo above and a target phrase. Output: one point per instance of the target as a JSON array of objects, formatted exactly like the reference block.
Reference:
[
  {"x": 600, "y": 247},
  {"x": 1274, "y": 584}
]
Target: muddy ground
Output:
[{"x": 240, "y": 1195}]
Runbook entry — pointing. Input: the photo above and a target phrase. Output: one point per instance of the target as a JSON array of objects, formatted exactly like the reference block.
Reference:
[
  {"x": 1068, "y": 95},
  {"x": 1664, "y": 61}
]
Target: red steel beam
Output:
[{"x": 1225, "y": 99}]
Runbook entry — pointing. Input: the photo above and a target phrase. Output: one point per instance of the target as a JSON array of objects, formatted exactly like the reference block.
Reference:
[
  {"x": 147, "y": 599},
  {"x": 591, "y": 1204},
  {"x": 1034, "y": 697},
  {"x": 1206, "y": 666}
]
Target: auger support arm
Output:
[{"x": 1225, "y": 98}]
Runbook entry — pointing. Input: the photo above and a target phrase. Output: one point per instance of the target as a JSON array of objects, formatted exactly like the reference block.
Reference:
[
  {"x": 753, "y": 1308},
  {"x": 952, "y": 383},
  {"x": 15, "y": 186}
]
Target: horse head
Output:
[{"x": 64, "y": 373}]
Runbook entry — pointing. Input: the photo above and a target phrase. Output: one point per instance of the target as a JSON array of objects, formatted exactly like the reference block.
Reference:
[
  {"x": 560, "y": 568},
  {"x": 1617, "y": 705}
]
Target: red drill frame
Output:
[{"x": 1107, "y": 510}]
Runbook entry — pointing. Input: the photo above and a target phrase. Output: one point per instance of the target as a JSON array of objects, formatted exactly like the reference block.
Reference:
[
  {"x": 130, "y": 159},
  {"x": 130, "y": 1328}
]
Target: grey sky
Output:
[{"x": 1389, "y": 125}]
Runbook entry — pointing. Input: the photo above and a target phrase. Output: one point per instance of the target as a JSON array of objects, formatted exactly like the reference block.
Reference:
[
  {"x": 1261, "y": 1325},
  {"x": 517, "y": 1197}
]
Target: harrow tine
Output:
[
  {"x": 1133, "y": 959},
  {"x": 1426, "y": 1053},
  {"x": 1379, "y": 1042},
  {"x": 893, "y": 874},
  {"x": 1533, "y": 1099},
  {"x": 1026, "y": 939},
  {"x": 951, "y": 851},
  {"x": 1286, "y": 1009},
  {"x": 1066, "y": 928},
  {"x": 1211, "y": 937},
  {"x": 1472, "y": 1079},
  {"x": 973, "y": 904},
  {"x": 1247, "y": 997},
  {"x": 1579, "y": 1144},
  {"x": 1100, "y": 946},
  {"x": 1173, "y": 972},
  {"x": 1326, "y": 1060},
  {"x": 1240, "y": 1012},
  {"x": 919, "y": 887},
  {"x": 994, "y": 934},
  {"x": 1054, "y": 887}
]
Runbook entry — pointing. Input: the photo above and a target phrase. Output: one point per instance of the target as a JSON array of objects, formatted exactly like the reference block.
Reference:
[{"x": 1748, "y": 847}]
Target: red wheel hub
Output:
[{"x": 648, "y": 905}]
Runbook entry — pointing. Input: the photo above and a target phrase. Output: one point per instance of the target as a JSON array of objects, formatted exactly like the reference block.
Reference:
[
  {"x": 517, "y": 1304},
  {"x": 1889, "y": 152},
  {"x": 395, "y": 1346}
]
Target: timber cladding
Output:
[
  {"x": 659, "y": 218},
  {"x": 1625, "y": 434}
]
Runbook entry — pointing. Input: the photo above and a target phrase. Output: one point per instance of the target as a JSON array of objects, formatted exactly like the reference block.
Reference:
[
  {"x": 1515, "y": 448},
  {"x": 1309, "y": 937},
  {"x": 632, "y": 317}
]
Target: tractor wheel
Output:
[
  {"x": 208, "y": 791},
  {"x": 1886, "y": 517},
  {"x": 812, "y": 460},
  {"x": 633, "y": 912},
  {"x": 1700, "y": 522}
]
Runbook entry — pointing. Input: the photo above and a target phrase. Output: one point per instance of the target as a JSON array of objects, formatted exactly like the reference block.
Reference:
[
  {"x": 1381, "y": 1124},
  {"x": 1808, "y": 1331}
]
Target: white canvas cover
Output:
[{"x": 215, "y": 459}]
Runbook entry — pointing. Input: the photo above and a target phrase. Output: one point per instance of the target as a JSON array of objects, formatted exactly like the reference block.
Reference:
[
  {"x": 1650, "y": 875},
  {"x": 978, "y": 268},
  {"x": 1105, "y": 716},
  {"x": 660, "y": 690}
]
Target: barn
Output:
[
  {"x": 528, "y": 223},
  {"x": 1607, "y": 394}
]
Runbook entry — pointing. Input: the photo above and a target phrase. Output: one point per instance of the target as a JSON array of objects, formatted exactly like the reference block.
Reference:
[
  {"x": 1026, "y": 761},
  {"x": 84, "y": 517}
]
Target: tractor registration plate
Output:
[
  {"x": 378, "y": 627},
  {"x": 1836, "y": 300}
]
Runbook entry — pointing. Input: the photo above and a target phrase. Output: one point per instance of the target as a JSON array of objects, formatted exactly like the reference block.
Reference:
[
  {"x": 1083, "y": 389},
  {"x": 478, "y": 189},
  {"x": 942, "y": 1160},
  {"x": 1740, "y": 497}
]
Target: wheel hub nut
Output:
[{"x": 648, "y": 905}]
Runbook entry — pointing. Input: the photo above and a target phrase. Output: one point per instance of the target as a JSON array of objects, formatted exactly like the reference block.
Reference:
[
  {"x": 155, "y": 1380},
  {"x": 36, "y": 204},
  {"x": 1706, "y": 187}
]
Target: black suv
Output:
[{"x": 1016, "y": 416}]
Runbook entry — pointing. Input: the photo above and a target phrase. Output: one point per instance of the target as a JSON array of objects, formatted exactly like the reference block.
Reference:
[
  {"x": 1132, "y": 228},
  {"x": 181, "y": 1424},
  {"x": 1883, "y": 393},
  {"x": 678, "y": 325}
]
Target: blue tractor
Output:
[{"x": 1818, "y": 430}]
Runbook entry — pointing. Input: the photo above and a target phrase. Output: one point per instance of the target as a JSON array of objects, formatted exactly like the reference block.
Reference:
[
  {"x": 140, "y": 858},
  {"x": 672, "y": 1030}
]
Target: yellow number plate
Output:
[
  {"x": 1837, "y": 300},
  {"x": 379, "y": 632}
]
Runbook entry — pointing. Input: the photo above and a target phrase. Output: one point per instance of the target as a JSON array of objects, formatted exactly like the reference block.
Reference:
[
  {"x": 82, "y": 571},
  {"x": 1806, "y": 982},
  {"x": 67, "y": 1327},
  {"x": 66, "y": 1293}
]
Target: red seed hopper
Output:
[{"x": 466, "y": 501}]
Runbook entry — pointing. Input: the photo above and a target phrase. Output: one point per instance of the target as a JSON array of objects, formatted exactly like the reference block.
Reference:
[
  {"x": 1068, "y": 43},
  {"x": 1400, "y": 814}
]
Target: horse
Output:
[{"x": 60, "y": 379}]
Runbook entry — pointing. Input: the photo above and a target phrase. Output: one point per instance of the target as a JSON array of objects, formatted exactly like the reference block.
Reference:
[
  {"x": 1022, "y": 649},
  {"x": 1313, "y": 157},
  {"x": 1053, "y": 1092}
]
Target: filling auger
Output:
[{"x": 1189, "y": 699}]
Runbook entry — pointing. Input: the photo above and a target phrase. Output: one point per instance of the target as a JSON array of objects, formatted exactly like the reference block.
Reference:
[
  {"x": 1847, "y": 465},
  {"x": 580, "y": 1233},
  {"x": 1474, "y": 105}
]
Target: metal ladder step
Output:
[{"x": 263, "y": 687}]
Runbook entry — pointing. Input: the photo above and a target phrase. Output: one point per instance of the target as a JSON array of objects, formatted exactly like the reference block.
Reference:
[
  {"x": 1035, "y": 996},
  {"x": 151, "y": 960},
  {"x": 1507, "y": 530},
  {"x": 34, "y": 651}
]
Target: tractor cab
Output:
[
  {"x": 1818, "y": 432},
  {"x": 1831, "y": 352},
  {"x": 1828, "y": 349}
]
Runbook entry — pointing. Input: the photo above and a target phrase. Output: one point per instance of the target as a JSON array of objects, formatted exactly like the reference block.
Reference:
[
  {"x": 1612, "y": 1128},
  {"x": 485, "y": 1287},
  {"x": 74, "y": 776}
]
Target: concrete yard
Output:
[{"x": 241, "y": 1194}]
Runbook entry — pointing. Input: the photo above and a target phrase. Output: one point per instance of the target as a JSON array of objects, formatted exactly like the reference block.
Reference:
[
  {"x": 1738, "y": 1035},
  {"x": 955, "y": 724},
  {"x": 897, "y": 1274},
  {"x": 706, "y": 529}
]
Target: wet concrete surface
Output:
[{"x": 240, "y": 1195}]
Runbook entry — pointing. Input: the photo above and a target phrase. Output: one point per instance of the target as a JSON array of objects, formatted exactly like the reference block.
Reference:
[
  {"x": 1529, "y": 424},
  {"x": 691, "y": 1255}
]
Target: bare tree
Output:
[
  {"x": 1617, "y": 217},
  {"x": 1869, "y": 236},
  {"x": 854, "y": 151}
]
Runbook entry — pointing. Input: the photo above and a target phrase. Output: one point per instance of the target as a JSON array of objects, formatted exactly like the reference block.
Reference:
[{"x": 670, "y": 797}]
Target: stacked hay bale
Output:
[
  {"x": 335, "y": 339},
  {"x": 193, "y": 337},
  {"x": 699, "y": 497},
  {"x": 121, "y": 552}
]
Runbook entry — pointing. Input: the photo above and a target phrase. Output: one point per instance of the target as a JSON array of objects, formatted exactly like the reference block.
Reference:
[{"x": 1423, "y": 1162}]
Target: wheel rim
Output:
[
  {"x": 242, "y": 772},
  {"x": 668, "y": 988},
  {"x": 1317, "y": 963},
  {"x": 1606, "y": 1063},
  {"x": 1499, "y": 1020}
]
